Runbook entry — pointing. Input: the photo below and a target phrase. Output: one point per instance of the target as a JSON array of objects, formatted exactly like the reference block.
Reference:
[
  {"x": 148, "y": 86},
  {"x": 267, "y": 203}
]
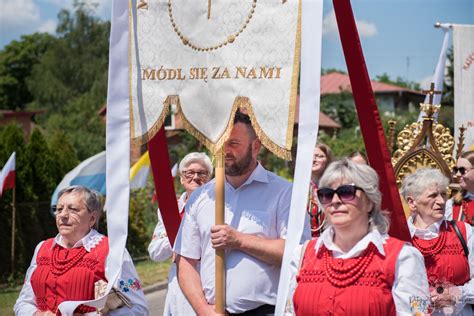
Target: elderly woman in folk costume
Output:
[
  {"x": 70, "y": 266},
  {"x": 447, "y": 246},
  {"x": 354, "y": 267},
  {"x": 322, "y": 157},
  {"x": 461, "y": 207},
  {"x": 195, "y": 169}
]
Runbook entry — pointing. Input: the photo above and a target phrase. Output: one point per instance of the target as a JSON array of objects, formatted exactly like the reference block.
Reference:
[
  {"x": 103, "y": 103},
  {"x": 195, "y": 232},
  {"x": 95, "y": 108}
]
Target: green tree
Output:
[
  {"x": 341, "y": 108},
  {"x": 76, "y": 61},
  {"x": 11, "y": 139},
  {"x": 385, "y": 78},
  {"x": 70, "y": 81},
  {"x": 63, "y": 155},
  {"x": 16, "y": 63}
]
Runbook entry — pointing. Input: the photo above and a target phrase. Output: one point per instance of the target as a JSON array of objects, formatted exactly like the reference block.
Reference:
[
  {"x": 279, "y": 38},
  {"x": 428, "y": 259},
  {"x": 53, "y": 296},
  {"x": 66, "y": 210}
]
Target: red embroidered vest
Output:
[
  {"x": 371, "y": 294},
  {"x": 67, "y": 274},
  {"x": 449, "y": 265},
  {"x": 467, "y": 209}
]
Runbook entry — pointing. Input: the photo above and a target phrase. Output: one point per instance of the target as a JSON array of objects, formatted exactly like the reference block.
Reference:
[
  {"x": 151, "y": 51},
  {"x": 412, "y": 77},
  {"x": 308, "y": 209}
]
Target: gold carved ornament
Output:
[
  {"x": 424, "y": 144},
  {"x": 230, "y": 39}
]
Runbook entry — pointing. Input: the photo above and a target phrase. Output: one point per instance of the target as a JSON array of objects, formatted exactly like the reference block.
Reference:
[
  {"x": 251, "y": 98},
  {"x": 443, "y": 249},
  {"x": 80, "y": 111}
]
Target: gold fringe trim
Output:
[
  {"x": 240, "y": 102},
  {"x": 294, "y": 83},
  {"x": 189, "y": 127},
  {"x": 143, "y": 139},
  {"x": 244, "y": 103}
]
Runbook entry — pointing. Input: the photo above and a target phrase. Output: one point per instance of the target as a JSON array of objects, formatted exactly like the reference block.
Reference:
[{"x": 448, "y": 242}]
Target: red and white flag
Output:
[{"x": 7, "y": 175}]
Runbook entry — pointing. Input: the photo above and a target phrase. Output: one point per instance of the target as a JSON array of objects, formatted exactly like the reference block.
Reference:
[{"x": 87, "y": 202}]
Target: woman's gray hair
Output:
[
  {"x": 365, "y": 178},
  {"x": 416, "y": 183},
  {"x": 196, "y": 157},
  {"x": 91, "y": 198}
]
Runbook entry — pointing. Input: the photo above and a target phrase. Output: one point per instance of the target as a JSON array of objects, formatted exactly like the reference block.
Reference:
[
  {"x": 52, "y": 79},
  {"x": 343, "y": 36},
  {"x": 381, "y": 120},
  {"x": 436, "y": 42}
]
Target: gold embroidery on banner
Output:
[
  {"x": 142, "y": 5},
  {"x": 230, "y": 39},
  {"x": 294, "y": 82}
]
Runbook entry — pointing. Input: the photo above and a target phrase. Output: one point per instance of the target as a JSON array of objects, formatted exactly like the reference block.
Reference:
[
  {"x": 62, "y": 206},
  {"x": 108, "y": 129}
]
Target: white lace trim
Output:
[{"x": 89, "y": 241}]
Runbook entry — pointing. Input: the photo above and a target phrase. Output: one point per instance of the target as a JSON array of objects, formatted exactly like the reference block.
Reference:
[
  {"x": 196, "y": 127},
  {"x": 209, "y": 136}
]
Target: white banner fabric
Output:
[
  {"x": 310, "y": 92},
  {"x": 463, "y": 42},
  {"x": 210, "y": 58},
  {"x": 117, "y": 152},
  {"x": 438, "y": 77}
]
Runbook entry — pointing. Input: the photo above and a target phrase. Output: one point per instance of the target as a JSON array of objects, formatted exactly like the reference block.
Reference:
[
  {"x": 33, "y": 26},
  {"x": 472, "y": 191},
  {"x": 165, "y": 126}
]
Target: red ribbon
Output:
[
  {"x": 369, "y": 119},
  {"x": 161, "y": 168}
]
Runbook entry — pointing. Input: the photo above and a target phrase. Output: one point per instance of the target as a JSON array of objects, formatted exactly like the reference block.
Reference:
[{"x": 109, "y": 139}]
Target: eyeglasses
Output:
[
  {"x": 189, "y": 174},
  {"x": 61, "y": 209},
  {"x": 461, "y": 170},
  {"x": 346, "y": 193}
]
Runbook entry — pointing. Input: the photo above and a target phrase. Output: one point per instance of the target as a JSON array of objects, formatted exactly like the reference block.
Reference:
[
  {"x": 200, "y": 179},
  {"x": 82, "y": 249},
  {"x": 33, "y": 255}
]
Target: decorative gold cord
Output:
[{"x": 230, "y": 39}]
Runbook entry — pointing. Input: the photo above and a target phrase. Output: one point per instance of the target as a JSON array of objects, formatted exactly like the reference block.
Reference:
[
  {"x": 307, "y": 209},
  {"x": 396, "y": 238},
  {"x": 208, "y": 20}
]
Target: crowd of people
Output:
[{"x": 347, "y": 264}]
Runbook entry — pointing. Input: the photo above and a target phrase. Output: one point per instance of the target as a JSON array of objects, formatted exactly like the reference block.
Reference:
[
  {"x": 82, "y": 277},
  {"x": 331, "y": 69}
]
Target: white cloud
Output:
[
  {"x": 365, "y": 28},
  {"x": 48, "y": 26},
  {"x": 18, "y": 13}
]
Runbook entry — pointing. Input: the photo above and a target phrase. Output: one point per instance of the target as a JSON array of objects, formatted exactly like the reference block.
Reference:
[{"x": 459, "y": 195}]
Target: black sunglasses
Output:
[
  {"x": 346, "y": 193},
  {"x": 462, "y": 170}
]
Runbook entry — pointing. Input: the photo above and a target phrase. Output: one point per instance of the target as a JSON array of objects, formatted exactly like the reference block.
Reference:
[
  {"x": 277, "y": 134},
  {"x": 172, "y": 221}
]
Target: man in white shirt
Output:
[{"x": 257, "y": 203}]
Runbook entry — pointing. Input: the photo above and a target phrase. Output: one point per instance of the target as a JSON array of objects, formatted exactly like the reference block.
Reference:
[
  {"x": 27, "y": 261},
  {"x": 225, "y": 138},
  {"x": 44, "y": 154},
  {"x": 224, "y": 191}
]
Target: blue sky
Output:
[{"x": 398, "y": 36}]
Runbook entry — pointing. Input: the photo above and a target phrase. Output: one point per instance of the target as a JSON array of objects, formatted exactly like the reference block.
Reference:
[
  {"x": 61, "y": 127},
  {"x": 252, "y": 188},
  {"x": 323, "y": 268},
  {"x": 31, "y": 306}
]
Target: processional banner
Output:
[
  {"x": 210, "y": 58},
  {"x": 463, "y": 45}
]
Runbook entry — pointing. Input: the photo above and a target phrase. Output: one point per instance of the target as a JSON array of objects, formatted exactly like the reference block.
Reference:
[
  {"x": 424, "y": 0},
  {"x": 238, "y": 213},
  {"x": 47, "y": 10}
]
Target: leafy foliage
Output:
[
  {"x": 385, "y": 78},
  {"x": 70, "y": 80},
  {"x": 16, "y": 63},
  {"x": 34, "y": 183}
]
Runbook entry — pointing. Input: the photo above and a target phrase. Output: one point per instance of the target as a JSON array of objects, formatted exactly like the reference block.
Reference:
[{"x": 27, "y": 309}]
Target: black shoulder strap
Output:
[{"x": 461, "y": 238}]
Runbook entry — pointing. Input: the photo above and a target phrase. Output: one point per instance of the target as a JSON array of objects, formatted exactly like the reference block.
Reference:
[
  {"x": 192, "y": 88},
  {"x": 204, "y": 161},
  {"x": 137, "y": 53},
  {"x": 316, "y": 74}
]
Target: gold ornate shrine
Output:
[{"x": 425, "y": 144}]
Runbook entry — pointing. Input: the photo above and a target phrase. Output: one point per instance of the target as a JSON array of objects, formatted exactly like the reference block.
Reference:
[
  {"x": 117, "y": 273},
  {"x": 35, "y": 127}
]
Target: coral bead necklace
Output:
[
  {"x": 434, "y": 246},
  {"x": 61, "y": 266},
  {"x": 343, "y": 276}
]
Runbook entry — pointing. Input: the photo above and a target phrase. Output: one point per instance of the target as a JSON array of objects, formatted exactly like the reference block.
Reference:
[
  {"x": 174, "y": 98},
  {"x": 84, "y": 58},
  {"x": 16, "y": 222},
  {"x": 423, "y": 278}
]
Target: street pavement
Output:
[{"x": 156, "y": 301}]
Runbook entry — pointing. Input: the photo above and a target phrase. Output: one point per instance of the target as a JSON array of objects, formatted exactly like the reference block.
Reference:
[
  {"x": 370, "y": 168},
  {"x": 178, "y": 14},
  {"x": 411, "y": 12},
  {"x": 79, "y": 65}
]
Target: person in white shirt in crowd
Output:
[
  {"x": 355, "y": 267},
  {"x": 195, "y": 169},
  {"x": 257, "y": 204},
  {"x": 447, "y": 246},
  {"x": 67, "y": 267}
]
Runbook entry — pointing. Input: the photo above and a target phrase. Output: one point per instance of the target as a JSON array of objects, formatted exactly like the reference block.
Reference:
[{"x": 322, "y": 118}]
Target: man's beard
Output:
[{"x": 239, "y": 167}]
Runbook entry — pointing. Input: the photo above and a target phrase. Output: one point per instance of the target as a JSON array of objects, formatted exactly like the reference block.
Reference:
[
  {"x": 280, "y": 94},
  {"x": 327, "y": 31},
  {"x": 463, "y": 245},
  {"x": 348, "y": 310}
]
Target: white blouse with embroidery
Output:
[{"x": 128, "y": 282}]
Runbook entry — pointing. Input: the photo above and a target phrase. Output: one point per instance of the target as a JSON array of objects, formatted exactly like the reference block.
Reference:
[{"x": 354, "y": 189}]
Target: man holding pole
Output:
[{"x": 257, "y": 203}]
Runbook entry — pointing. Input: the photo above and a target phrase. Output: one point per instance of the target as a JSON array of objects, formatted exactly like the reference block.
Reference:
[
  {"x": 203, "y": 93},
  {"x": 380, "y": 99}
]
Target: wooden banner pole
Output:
[
  {"x": 13, "y": 230},
  {"x": 220, "y": 254}
]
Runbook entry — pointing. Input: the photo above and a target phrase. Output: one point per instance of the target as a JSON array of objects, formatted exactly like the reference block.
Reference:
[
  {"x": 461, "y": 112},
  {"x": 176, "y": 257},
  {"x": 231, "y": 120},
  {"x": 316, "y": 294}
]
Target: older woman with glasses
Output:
[
  {"x": 461, "y": 207},
  {"x": 354, "y": 267},
  {"x": 195, "y": 170},
  {"x": 70, "y": 266},
  {"x": 447, "y": 246}
]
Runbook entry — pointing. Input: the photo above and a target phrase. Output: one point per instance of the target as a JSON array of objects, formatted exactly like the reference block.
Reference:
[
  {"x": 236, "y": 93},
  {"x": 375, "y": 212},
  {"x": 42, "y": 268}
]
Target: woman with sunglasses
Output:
[
  {"x": 447, "y": 246},
  {"x": 354, "y": 267},
  {"x": 461, "y": 207},
  {"x": 70, "y": 266},
  {"x": 322, "y": 157},
  {"x": 195, "y": 169}
]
